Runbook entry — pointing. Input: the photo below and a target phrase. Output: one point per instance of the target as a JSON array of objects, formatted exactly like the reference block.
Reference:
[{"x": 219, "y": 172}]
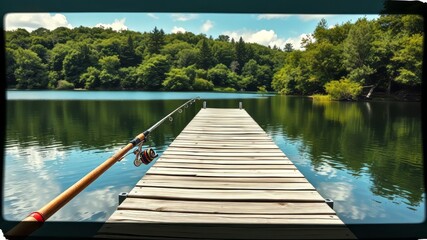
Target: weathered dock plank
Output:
[
  {"x": 224, "y": 169},
  {"x": 226, "y": 207}
]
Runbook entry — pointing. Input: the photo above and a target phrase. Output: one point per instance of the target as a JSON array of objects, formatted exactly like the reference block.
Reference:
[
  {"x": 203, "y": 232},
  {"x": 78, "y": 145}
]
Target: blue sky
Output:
[{"x": 266, "y": 29}]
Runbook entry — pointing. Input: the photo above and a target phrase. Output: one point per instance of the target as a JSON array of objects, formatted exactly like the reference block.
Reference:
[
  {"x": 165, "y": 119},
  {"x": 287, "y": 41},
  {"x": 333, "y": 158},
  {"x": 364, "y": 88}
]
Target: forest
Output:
[{"x": 346, "y": 61}]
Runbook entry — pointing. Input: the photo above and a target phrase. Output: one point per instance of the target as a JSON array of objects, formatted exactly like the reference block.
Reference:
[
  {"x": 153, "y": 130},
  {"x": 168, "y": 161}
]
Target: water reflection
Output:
[
  {"x": 365, "y": 156},
  {"x": 35, "y": 176},
  {"x": 52, "y": 144},
  {"x": 375, "y": 147}
]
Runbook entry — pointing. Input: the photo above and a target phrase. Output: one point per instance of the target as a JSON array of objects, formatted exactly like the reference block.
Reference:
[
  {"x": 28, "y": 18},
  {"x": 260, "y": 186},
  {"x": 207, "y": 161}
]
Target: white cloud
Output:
[
  {"x": 19, "y": 198},
  {"x": 29, "y": 185},
  {"x": 338, "y": 191},
  {"x": 273, "y": 16},
  {"x": 152, "y": 15},
  {"x": 296, "y": 41},
  {"x": 266, "y": 38},
  {"x": 1, "y": 235},
  {"x": 325, "y": 169},
  {"x": 309, "y": 17},
  {"x": 176, "y": 29},
  {"x": 207, "y": 26},
  {"x": 344, "y": 201},
  {"x": 32, "y": 21},
  {"x": 117, "y": 25},
  {"x": 184, "y": 17},
  {"x": 303, "y": 17}
]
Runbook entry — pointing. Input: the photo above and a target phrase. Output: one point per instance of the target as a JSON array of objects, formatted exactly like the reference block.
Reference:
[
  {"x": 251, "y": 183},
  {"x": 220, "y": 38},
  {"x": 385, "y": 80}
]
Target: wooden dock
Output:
[{"x": 224, "y": 178}]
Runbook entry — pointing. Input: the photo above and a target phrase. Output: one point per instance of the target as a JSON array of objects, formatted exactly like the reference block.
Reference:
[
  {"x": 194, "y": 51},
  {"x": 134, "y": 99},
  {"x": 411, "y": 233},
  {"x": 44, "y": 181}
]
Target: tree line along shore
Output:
[{"x": 346, "y": 61}]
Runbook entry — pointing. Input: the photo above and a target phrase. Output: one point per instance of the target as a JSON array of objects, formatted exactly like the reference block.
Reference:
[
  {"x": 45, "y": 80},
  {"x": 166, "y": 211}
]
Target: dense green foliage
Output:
[
  {"x": 384, "y": 54},
  {"x": 343, "y": 89},
  {"x": 98, "y": 58},
  {"x": 64, "y": 85}
]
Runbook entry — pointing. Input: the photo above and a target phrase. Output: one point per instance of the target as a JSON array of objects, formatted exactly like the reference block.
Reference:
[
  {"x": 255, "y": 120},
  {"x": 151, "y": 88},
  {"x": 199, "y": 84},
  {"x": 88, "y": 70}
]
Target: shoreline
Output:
[{"x": 399, "y": 96}]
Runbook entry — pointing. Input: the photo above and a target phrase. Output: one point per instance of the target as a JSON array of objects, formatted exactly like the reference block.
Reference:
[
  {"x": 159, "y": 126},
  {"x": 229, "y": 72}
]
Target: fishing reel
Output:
[{"x": 144, "y": 157}]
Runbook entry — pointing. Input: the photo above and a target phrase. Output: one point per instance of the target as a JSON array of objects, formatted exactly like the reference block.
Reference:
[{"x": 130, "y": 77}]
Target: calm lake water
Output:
[{"x": 366, "y": 156}]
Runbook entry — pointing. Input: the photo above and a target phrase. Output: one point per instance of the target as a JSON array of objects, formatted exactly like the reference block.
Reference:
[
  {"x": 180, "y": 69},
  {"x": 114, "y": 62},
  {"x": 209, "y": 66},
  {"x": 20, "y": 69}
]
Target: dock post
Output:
[
  {"x": 330, "y": 202},
  {"x": 204, "y": 104},
  {"x": 122, "y": 197},
  {"x": 240, "y": 105}
]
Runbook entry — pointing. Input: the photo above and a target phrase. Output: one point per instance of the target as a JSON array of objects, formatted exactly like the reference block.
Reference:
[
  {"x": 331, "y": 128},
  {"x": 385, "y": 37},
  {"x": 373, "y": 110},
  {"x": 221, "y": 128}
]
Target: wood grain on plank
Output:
[
  {"x": 225, "y": 154},
  {"x": 225, "y": 185},
  {"x": 224, "y": 173},
  {"x": 254, "y": 151},
  {"x": 265, "y": 180},
  {"x": 166, "y": 217},
  {"x": 274, "y": 208},
  {"x": 230, "y": 161},
  {"x": 166, "y": 155},
  {"x": 225, "y": 195},
  {"x": 223, "y": 166}
]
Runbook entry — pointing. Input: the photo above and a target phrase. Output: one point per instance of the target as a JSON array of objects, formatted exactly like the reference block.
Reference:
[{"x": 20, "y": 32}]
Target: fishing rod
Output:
[{"x": 36, "y": 219}]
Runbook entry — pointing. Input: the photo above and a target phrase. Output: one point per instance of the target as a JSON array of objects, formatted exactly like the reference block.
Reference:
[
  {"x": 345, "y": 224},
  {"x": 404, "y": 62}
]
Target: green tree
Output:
[
  {"x": 256, "y": 75},
  {"x": 41, "y": 51},
  {"x": 201, "y": 73},
  {"x": 30, "y": 72},
  {"x": 358, "y": 54},
  {"x": 57, "y": 56},
  {"x": 172, "y": 49},
  {"x": 109, "y": 75},
  {"x": 223, "y": 38},
  {"x": 61, "y": 35},
  {"x": 201, "y": 84},
  {"x": 76, "y": 62},
  {"x": 156, "y": 41},
  {"x": 223, "y": 52},
  {"x": 235, "y": 81},
  {"x": 64, "y": 85},
  {"x": 262, "y": 89},
  {"x": 398, "y": 58},
  {"x": 241, "y": 54},
  {"x": 19, "y": 38},
  {"x": 343, "y": 89},
  {"x": 325, "y": 62},
  {"x": 10, "y": 67},
  {"x": 288, "y": 47},
  {"x": 321, "y": 31},
  {"x": 53, "y": 77},
  {"x": 294, "y": 77},
  {"x": 409, "y": 58},
  {"x": 90, "y": 78},
  {"x": 109, "y": 47},
  {"x": 218, "y": 75},
  {"x": 45, "y": 41},
  {"x": 177, "y": 80},
  {"x": 205, "y": 59},
  {"x": 187, "y": 57},
  {"x": 250, "y": 72},
  {"x": 151, "y": 73},
  {"x": 128, "y": 77},
  {"x": 128, "y": 56},
  {"x": 41, "y": 32}
]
